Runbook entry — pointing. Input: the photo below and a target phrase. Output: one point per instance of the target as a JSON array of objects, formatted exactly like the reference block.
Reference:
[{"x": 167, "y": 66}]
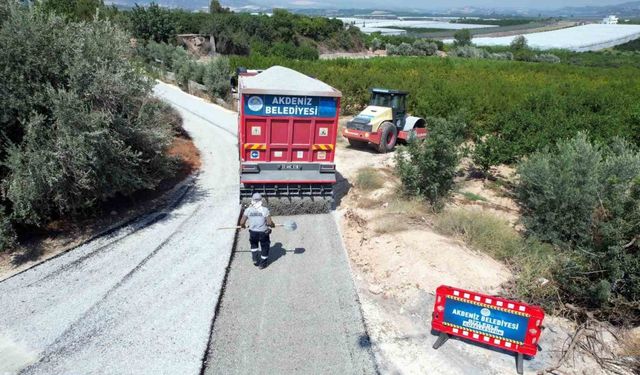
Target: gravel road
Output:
[
  {"x": 142, "y": 299},
  {"x": 300, "y": 315}
]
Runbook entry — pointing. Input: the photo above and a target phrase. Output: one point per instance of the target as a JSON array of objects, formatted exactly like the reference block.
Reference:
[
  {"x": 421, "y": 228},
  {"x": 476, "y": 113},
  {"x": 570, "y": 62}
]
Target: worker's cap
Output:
[{"x": 256, "y": 197}]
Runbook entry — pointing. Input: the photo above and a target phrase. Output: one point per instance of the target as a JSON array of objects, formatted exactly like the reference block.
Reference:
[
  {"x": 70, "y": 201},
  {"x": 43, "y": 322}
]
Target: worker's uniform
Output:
[{"x": 258, "y": 232}]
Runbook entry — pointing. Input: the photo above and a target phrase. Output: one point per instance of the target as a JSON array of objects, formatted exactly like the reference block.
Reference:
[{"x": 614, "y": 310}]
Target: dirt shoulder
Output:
[
  {"x": 398, "y": 259},
  {"x": 61, "y": 236}
]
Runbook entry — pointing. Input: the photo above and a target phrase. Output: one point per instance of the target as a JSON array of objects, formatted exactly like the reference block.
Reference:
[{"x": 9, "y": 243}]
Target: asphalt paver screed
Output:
[{"x": 300, "y": 315}]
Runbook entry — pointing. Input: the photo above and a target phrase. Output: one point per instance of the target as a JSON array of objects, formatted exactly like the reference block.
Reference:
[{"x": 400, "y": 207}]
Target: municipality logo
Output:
[
  {"x": 255, "y": 103},
  {"x": 485, "y": 312}
]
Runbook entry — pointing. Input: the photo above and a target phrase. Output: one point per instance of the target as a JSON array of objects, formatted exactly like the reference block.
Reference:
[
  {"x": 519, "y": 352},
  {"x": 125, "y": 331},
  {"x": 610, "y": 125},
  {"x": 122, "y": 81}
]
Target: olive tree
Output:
[
  {"x": 462, "y": 38},
  {"x": 79, "y": 118},
  {"x": 585, "y": 198},
  {"x": 427, "y": 168},
  {"x": 217, "y": 77}
]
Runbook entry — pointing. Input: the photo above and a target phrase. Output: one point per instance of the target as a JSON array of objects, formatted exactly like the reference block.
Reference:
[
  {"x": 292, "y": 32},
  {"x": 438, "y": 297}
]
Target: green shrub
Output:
[
  {"x": 586, "y": 199},
  {"x": 501, "y": 56},
  {"x": 82, "y": 128},
  {"x": 420, "y": 47},
  {"x": 462, "y": 38},
  {"x": 519, "y": 43},
  {"x": 217, "y": 75},
  {"x": 427, "y": 168},
  {"x": 152, "y": 23},
  {"x": 376, "y": 44},
  {"x": 7, "y": 233},
  {"x": 403, "y": 49},
  {"x": 425, "y": 47},
  {"x": 166, "y": 56},
  {"x": 305, "y": 51},
  {"x": 547, "y": 57},
  {"x": 558, "y": 191},
  {"x": 468, "y": 51},
  {"x": 484, "y": 155},
  {"x": 189, "y": 70}
]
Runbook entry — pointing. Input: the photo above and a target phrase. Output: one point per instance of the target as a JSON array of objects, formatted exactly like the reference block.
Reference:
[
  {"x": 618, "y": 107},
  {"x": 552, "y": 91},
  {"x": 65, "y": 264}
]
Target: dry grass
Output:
[
  {"x": 531, "y": 260},
  {"x": 631, "y": 345},
  {"x": 480, "y": 230},
  {"x": 391, "y": 224},
  {"x": 412, "y": 208},
  {"x": 340, "y": 139},
  {"x": 368, "y": 179},
  {"x": 369, "y": 203}
]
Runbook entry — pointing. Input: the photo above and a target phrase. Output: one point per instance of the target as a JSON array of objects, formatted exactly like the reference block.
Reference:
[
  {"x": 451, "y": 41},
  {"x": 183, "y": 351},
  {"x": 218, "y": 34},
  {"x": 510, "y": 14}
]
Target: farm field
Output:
[
  {"x": 592, "y": 37},
  {"x": 528, "y": 105}
]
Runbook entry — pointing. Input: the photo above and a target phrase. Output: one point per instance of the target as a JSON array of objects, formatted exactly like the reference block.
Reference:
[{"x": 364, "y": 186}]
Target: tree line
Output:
[{"x": 282, "y": 34}]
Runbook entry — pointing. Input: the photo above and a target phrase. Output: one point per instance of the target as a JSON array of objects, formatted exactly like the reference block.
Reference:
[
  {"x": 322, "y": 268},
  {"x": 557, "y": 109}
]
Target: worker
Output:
[{"x": 260, "y": 224}]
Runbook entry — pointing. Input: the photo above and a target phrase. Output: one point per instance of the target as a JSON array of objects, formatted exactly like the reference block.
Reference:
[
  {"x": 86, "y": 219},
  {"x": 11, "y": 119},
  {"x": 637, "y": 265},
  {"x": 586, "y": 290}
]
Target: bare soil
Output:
[
  {"x": 398, "y": 260},
  {"x": 59, "y": 236}
]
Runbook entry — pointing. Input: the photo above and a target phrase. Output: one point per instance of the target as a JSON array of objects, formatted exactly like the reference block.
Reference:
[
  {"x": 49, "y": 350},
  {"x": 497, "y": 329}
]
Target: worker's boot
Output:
[
  {"x": 255, "y": 256},
  {"x": 264, "y": 261}
]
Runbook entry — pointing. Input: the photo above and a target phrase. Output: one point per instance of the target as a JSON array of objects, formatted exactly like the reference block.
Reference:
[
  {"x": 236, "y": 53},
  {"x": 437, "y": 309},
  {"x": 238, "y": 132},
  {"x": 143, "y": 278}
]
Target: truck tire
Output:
[
  {"x": 357, "y": 144},
  {"x": 388, "y": 137}
]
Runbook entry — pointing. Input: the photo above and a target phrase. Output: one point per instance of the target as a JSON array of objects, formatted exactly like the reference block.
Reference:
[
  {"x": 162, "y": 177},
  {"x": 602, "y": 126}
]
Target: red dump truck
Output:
[{"x": 287, "y": 128}]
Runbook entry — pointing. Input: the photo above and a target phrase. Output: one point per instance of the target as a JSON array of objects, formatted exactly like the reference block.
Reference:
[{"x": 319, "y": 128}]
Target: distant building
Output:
[{"x": 611, "y": 20}]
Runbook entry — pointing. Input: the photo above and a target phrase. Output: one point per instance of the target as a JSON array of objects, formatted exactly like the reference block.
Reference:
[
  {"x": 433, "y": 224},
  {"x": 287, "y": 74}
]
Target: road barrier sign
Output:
[{"x": 489, "y": 320}]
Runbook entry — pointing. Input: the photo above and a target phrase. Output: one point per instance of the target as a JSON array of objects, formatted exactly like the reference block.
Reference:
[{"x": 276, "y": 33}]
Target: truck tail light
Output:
[
  {"x": 250, "y": 168},
  {"x": 327, "y": 168}
]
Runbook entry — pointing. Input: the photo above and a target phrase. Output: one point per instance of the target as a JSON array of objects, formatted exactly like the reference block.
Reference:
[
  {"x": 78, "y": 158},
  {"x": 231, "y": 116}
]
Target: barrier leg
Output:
[
  {"x": 441, "y": 340},
  {"x": 519, "y": 364}
]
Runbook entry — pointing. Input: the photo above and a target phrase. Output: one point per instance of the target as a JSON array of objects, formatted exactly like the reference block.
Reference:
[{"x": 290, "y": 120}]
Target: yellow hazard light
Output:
[{"x": 366, "y": 135}]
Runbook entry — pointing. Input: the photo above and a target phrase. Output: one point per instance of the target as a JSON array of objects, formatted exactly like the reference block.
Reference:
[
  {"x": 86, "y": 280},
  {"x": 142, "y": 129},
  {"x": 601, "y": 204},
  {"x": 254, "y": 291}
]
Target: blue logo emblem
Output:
[{"x": 255, "y": 103}]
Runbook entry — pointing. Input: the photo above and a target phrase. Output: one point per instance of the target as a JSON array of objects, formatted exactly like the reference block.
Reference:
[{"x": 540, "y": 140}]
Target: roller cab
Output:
[{"x": 384, "y": 122}]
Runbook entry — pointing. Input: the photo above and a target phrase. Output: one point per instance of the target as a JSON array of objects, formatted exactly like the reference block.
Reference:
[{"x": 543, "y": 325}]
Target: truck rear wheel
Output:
[
  {"x": 388, "y": 137},
  {"x": 357, "y": 144}
]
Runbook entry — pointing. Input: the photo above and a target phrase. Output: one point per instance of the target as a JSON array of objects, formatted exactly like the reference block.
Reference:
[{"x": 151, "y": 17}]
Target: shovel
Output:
[{"x": 288, "y": 225}]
